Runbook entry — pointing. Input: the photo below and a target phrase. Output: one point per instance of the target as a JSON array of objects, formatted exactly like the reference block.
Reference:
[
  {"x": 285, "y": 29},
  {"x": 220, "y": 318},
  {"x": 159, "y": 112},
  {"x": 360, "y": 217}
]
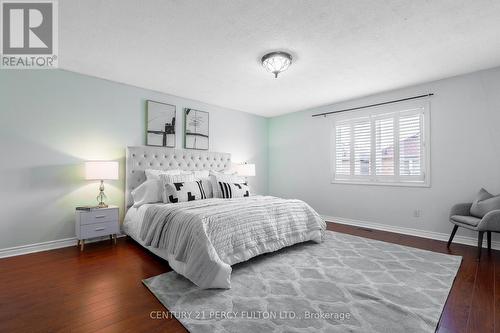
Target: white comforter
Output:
[{"x": 208, "y": 236}]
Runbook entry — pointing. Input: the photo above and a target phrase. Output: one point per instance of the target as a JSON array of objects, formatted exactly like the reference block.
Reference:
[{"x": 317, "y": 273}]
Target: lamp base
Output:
[{"x": 100, "y": 198}]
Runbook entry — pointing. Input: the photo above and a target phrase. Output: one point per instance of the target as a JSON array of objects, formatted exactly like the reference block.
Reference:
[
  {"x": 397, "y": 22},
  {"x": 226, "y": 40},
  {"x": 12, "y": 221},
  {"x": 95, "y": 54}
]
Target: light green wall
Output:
[{"x": 53, "y": 120}]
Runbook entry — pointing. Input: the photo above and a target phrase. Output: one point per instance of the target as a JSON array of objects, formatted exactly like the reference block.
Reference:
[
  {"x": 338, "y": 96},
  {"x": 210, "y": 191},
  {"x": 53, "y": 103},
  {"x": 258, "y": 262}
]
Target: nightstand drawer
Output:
[
  {"x": 99, "y": 215},
  {"x": 99, "y": 229}
]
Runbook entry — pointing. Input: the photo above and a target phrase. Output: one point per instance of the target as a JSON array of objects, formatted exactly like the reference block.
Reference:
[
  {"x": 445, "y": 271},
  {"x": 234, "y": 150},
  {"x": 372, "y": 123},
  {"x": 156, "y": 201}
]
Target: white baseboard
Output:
[
  {"x": 410, "y": 231},
  {"x": 66, "y": 242},
  {"x": 45, "y": 246}
]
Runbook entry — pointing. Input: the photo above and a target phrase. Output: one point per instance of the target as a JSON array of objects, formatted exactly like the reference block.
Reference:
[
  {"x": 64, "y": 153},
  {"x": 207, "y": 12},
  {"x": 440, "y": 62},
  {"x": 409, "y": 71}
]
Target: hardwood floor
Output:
[{"x": 100, "y": 290}]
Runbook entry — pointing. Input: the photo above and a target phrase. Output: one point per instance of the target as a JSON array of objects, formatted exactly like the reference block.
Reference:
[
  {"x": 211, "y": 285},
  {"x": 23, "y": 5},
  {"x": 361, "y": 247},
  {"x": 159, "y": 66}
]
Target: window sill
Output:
[{"x": 392, "y": 184}]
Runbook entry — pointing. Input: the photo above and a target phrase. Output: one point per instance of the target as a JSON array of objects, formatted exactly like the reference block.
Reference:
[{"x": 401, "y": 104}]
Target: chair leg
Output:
[
  {"x": 479, "y": 244},
  {"x": 489, "y": 240},
  {"x": 453, "y": 232}
]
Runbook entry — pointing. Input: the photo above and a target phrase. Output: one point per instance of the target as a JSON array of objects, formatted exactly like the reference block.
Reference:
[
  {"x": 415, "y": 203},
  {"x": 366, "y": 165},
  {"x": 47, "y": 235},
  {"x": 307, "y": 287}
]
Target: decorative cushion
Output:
[
  {"x": 167, "y": 180},
  {"x": 485, "y": 202},
  {"x": 233, "y": 190},
  {"x": 182, "y": 192},
  {"x": 155, "y": 174},
  {"x": 469, "y": 220},
  {"x": 216, "y": 177},
  {"x": 147, "y": 192},
  {"x": 202, "y": 175}
]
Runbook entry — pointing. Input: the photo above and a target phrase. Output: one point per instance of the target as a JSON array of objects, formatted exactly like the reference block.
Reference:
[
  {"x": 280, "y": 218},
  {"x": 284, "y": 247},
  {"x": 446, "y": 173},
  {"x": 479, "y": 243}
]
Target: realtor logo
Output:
[{"x": 29, "y": 34}]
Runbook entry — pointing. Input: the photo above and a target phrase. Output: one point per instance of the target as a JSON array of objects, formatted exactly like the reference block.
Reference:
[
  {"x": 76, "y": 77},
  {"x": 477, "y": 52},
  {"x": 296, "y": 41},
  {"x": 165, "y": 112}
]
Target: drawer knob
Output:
[
  {"x": 100, "y": 216},
  {"x": 99, "y": 229}
]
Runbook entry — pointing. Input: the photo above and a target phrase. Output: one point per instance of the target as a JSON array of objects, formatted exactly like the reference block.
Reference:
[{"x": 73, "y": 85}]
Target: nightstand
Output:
[{"x": 96, "y": 222}]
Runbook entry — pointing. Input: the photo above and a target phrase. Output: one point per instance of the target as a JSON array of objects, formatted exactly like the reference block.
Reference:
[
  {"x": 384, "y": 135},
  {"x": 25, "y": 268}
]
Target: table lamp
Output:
[
  {"x": 101, "y": 170},
  {"x": 245, "y": 169}
]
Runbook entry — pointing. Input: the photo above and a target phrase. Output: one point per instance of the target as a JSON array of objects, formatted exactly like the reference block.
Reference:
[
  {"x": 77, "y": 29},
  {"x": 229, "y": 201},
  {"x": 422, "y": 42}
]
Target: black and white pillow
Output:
[
  {"x": 184, "y": 191},
  {"x": 233, "y": 190},
  {"x": 216, "y": 177}
]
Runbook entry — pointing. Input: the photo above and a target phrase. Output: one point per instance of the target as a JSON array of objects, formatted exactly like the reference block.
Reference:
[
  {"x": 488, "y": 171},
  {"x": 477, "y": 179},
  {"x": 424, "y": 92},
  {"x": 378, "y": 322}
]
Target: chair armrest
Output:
[
  {"x": 490, "y": 221},
  {"x": 461, "y": 209}
]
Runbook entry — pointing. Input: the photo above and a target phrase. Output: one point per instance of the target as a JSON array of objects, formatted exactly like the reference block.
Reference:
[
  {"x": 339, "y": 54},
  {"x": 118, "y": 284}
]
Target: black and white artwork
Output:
[
  {"x": 161, "y": 124},
  {"x": 196, "y": 129}
]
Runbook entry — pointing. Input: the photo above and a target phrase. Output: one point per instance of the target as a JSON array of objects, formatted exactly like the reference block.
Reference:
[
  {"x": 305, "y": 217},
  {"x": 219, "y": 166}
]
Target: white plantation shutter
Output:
[
  {"x": 343, "y": 149},
  {"x": 362, "y": 147},
  {"x": 383, "y": 147},
  {"x": 410, "y": 145}
]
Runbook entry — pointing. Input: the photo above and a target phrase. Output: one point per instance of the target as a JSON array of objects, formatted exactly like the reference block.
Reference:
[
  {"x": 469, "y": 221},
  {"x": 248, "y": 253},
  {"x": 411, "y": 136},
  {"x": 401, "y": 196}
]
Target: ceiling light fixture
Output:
[{"x": 276, "y": 62}]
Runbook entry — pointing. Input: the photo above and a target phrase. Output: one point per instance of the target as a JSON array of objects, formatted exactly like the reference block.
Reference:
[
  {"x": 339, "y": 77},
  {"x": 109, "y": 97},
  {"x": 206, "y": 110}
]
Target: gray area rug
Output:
[{"x": 345, "y": 284}]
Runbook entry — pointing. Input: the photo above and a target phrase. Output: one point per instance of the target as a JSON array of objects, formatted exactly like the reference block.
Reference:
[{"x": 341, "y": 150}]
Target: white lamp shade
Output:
[
  {"x": 101, "y": 170},
  {"x": 245, "y": 170}
]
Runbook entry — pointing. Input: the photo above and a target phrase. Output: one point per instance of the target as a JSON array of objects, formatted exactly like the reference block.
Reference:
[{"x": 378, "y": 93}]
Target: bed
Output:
[{"x": 201, "y": 239}]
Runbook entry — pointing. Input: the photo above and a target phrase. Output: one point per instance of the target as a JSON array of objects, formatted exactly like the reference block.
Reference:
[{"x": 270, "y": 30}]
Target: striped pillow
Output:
[
  {"x": 216, "y": 177},
  {"x": 233, "y": 190}
]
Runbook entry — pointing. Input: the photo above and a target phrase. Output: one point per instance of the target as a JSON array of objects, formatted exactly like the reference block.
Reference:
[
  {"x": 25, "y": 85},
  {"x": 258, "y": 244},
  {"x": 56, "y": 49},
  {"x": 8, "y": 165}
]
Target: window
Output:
[{"x": 385, "y": 146}]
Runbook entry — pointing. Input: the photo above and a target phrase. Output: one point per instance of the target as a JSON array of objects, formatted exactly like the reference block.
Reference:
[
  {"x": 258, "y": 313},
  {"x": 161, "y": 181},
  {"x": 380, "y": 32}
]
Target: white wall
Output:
[
  {"x": 53, "y": 120},
  {"x": 465, "y": 156}
]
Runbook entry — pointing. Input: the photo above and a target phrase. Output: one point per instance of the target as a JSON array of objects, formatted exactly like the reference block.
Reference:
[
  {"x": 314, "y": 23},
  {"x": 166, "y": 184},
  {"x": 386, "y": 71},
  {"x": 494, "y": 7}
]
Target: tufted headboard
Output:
[{"x": 141, "y": 158}]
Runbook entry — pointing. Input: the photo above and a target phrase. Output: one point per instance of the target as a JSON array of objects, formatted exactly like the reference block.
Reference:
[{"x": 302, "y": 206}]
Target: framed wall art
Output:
[
  {"x": 160, "y": 124},
  {"x": 196, "y": 129}
]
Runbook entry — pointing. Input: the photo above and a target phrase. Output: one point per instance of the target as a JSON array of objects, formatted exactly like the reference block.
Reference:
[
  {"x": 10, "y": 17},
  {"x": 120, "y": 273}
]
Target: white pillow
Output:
[
  {"x": 147, "y": 192},
  {"x": 200, "y": 174},
  {"x": 155, "y": 174},
  {"x": 216, "y": 177},
  {"x": 181, "y": 178},
  {"x": 224, "y": 172}
]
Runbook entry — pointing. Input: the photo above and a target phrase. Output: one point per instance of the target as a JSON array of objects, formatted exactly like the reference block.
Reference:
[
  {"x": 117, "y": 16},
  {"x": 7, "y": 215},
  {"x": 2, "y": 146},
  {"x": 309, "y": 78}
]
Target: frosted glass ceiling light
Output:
[{"x": 277, "y": 62}]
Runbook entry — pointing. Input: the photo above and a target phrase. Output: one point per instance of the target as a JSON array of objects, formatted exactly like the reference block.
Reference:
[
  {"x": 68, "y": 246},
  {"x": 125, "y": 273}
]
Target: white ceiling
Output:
[{"x": 209, "y": 50}]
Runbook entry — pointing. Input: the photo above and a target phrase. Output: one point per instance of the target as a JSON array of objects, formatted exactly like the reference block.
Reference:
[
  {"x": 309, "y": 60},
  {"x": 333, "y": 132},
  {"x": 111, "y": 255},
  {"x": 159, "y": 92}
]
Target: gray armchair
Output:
[{"x": 460, "y": 217}]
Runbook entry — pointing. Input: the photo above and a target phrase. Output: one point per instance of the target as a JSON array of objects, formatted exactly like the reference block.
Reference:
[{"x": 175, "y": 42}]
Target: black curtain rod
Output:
[{"x": 372, "y": 105}]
